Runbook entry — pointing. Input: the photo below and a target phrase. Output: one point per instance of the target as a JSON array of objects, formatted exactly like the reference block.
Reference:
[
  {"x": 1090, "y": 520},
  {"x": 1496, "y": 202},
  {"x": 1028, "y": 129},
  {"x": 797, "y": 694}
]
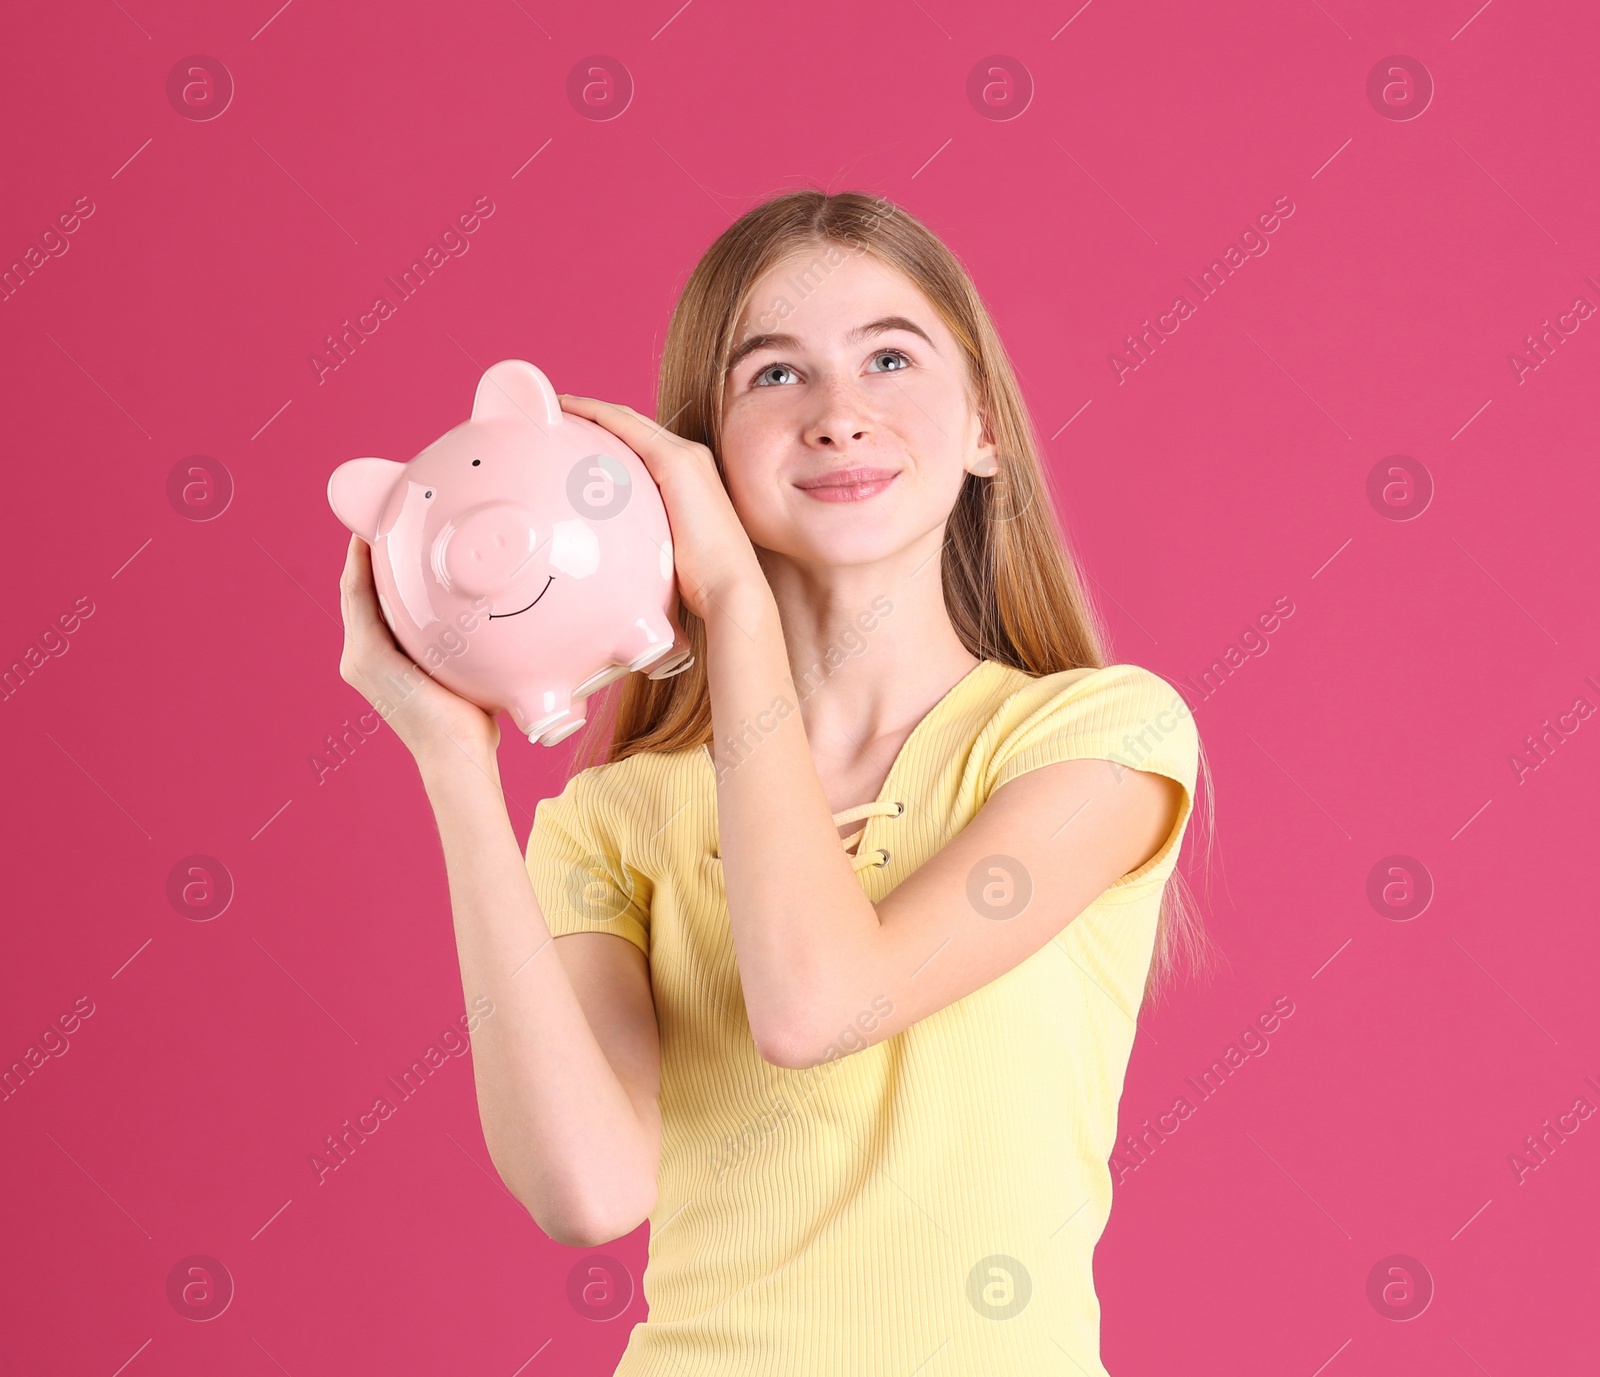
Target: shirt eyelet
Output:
[
  {"x": 885, "y": 860},
  {"x": 900, "y": 809}
]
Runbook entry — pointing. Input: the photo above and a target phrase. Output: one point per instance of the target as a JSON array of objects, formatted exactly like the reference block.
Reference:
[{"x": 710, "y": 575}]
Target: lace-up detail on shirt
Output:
[{"x": 867, "y": 810}]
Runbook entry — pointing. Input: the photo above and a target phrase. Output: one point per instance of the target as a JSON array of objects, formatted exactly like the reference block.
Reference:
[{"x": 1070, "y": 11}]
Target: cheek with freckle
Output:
[
  {"x": 747, "y": 494},
  {"x": 749, "y": 461}
]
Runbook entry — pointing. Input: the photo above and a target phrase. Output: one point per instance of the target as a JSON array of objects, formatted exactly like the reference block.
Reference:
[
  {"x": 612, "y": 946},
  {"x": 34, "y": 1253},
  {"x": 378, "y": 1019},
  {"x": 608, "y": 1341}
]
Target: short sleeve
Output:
[
  {"x": 1122, "y": 714},
  {"x": 577, "y": 872}
]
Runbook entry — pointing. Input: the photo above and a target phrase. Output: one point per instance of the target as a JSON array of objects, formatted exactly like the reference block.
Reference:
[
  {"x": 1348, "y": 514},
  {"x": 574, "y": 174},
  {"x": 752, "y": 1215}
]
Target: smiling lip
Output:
[
  {"x": 548, "y": 581},
  {"x": 848, "y": 485}
]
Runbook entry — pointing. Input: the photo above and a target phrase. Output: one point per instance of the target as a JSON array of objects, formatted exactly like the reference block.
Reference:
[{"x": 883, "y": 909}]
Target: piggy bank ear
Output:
[
  {"x": 358, "y": 490},
  {"x": 514, "y": 388}
]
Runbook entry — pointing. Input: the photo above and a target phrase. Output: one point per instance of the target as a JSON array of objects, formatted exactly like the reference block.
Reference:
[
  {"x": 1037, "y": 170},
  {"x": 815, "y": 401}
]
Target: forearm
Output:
[
  {"x": 804, "y": 933},
  {"x": 558, "y": 1122}
]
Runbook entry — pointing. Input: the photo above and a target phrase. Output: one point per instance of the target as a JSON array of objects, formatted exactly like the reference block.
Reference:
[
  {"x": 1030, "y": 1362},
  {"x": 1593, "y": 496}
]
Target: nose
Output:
[
  {"x": 484, "y": 551},
  {"x": 842, "y": 419}
]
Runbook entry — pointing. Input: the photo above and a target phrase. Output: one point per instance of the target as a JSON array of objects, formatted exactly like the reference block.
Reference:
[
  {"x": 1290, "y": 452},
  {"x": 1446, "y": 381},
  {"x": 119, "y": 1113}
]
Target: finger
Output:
[
  {"x": 635, "y": 430},
  {"x": 356, "y": 571},
  {"x": 358, "y": 597},
  {"x": 605, "y": 412},
  {"x": 594, "y": 408}
]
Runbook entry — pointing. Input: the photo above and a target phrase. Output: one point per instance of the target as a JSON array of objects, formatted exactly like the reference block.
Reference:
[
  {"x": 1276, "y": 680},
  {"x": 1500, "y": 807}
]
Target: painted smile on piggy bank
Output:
[
  {"x": 483, "y": 523},
  {"x": 530, "y": 606}
]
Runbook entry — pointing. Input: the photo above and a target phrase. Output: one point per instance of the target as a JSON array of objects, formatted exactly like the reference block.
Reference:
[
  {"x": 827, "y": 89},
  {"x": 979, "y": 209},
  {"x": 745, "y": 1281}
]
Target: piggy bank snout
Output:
[{"x": 486, "y": 549}]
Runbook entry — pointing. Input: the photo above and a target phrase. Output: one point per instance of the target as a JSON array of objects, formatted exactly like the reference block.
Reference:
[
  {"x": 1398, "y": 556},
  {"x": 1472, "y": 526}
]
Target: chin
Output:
[{"x": 869, "y": 543}]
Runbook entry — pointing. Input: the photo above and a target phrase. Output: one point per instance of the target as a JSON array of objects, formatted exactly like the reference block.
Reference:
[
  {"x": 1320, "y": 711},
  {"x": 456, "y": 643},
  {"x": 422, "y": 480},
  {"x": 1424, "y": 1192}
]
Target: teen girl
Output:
[{"x": 852, "y": 924}]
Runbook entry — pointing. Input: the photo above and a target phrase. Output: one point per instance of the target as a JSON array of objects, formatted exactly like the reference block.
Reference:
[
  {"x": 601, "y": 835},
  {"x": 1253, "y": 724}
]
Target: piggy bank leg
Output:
[
  {"x": 562, "y": 732},
  {"x": 544, "y": 724},
  {"x": 656, "y": 643},
  {"x": 646, "y": 641},
  {"x": 676, "y": 660}
]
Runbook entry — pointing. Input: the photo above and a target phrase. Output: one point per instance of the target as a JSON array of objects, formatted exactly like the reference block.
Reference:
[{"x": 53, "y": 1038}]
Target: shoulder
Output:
[
  {"x": 619, "y": 803},
  {"x": 595, "y": 849},
  {"x": 1123, "y": 713}
]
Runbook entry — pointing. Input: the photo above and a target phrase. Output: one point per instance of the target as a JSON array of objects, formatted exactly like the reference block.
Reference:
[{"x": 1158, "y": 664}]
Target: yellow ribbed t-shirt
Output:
[{"x": 927, "y": 1205}]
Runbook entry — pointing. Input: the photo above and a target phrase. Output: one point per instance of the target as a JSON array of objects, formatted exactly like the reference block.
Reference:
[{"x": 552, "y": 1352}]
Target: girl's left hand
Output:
[{"x": 710, "y": 549}]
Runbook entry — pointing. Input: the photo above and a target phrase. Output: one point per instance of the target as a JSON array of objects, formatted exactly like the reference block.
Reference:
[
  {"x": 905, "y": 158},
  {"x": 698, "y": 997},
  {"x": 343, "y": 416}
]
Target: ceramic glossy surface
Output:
[{"x": 523, "y": 559}]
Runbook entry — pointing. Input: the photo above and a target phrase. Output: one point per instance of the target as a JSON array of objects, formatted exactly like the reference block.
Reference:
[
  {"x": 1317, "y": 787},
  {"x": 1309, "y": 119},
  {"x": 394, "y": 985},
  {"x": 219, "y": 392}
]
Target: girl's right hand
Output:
[{"x": 432, "y": 721}]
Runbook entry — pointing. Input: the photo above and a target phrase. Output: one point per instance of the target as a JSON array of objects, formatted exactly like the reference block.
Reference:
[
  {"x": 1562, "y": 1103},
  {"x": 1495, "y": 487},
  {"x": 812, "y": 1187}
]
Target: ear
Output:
[
  {"x": 514, "y": 388},
  {"x": 357, "y": 491},
  {"x": 986, "y": 462}
]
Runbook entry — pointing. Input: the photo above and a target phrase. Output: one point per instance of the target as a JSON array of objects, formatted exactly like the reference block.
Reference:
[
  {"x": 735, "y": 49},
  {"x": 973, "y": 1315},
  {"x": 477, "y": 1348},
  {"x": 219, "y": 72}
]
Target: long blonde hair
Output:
[{"x": 1011, "y": 585}]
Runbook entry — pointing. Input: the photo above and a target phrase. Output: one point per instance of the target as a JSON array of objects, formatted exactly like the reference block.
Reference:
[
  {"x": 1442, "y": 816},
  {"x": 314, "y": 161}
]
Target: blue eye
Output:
[
  {"x": 893, "y": 354},
  {"x": 771, "y": 367},
  {"x": 904, "y": 363}
]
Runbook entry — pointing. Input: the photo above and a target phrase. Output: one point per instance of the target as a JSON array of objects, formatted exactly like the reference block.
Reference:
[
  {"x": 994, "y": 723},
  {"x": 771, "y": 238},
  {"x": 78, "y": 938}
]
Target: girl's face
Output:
[{"x": 856, "y": 385}]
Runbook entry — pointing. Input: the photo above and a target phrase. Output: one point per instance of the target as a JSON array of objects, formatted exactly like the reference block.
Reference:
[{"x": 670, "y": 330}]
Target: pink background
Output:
[{"x": 1229, "y": 470}]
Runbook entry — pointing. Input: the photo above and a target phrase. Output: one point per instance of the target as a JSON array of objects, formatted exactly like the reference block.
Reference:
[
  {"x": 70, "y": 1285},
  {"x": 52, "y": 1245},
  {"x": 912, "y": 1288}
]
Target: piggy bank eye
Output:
[{"x": 476, "y": 462}]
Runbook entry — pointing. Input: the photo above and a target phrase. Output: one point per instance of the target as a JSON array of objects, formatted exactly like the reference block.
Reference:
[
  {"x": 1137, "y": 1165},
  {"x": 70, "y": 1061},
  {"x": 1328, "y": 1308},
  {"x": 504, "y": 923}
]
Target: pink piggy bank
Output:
[{"x": 523, "y": 558}]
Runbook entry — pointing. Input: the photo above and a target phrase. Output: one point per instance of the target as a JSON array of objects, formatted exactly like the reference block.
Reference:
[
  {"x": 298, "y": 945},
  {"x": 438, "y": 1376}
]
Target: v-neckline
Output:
[{"x": 905, "y": 747}]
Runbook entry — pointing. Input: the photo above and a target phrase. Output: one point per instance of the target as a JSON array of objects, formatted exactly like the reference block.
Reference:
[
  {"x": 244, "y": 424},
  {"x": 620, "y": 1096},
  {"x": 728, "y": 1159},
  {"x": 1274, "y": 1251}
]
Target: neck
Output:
[{"x": 871, "y": 647}]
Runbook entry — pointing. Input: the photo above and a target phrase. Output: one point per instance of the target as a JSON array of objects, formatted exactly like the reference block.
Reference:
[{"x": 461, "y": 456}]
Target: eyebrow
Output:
[{"x": 875, "y": 327}]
